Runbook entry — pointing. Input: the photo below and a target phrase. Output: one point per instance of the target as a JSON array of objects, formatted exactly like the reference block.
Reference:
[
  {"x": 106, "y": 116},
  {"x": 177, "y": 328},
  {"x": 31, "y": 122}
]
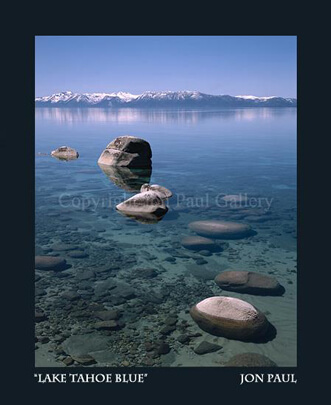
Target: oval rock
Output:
[
  {"x": 231, "y": 318},
  {"x": 250, "y": 360},
  {"x": 147, "y": 202},
  {"x": 50, "y": 263},
  {"x": 249, "y": 282},
  {"x": 221, "y": 229},
  {"x": 65, "y": 153},
  {"x": 197, "y": 243}
]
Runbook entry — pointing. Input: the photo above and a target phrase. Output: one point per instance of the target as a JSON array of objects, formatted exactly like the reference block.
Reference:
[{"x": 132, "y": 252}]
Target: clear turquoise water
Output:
[{"x": 200, "y": 156}]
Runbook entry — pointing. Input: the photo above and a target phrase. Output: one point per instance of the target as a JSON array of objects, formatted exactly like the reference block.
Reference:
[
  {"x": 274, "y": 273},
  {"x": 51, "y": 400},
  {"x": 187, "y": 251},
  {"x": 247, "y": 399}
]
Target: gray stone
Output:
[
  {"x": 106, "y": 325},
  {"x": 184, "y": 339},
  {"x": 108, "y": 315},
  {"x": 148, "y": 202},
  {"x": 77, "y": 345},
  {"x": 127, "y": 151},
  {"x": 144, "y": 273},
  {"x": 65, "y": 153},
  {"x": 249, "y": 282},
  {"x": 85, "y": 360},
  {"x": 162, "y": 191},
  {"x": 250, "y": 360},
  {"x": 221, "y": 229},
  {"x": 39, "y": 316},
  {"x": 197, "y": 243},
  {"x": 77, "y": 254},
  {"x": 231, "y": 318},
  {"x": 163, "y": 348},
  {"x": 50, "y": 263},
  {"x": 206, "y": 347}
]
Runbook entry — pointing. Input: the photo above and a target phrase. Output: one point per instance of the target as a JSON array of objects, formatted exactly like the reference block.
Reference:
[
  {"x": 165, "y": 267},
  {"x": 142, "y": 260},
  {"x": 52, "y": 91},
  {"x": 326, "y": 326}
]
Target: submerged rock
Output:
[
  {"x": 108, "y": 315},
  {"x": 50, "y": 263},
  {"x": 250, "y": 360},
  {"x": 127, "y": 151},
  {"x": 65, "y": 153},
  {"x": 162, "y": 191},
  {"x": 249, "y": 282},
  {"x": 206, "y": 347},
  {"x": 231, "y": 318},
  {"x": 221, "y": 229},
  {"x": 79, "y": 345},
  {"x": 197, "y": 243},
  {"x": 84, "y": 360},
  {"x": 129, "y": 179}
]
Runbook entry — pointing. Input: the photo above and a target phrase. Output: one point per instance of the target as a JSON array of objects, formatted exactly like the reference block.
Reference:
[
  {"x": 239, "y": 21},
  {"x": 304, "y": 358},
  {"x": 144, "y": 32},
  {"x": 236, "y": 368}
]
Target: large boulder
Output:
[
  {"x": 250, "y": 360},
  {"x": 65, "y": 153},
  {"x": 129, "y": 179},
  {"x": 162, "y": 191},
  {"x": 230, "y": 318},
  {"x": 197, "y": 243},
  {"x": 249, "y": 282},
  {"x": 50, "y": 263},
  {"x": 127, "y": 151},
  {"x": 221, "y": 229},
  {"x": 148, "y": 202}
]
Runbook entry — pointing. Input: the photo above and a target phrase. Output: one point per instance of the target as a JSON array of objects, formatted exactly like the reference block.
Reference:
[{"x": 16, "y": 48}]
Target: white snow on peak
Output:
[
  {"x": 171, "y": 95},
  {"x": 90, "y": 98},
  {"x": 256, "y": 98}
]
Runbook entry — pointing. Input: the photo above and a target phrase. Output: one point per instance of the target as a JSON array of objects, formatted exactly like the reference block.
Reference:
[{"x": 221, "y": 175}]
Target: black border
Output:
[{"x": 18, "y": 255}]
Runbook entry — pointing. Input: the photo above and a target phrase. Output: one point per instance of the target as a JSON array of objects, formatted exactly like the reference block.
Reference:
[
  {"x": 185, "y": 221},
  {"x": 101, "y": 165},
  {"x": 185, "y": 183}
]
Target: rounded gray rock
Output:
[
  {"x": 221, "y": 229},
  {"x": 197, "y": 243},
  {"x": 148, "y": 202},
  {"x": 250, "y": 360},
  {"x": 249, "y": 282},
  {"x": 127, "y": 151},
  {"x": 65, "y": 153},
  {"x": 50, "y": 263},
  {"x": 231, "y": 318}
]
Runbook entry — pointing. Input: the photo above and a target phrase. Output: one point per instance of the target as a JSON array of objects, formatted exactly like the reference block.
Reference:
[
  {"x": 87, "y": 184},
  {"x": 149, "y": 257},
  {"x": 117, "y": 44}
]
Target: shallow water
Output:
[{"x": 200, "y": 156}]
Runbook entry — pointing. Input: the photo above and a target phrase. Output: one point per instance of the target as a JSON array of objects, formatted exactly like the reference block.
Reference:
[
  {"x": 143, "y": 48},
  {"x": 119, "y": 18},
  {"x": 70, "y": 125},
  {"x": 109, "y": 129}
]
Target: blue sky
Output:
[{"x": 235, "y": 65}]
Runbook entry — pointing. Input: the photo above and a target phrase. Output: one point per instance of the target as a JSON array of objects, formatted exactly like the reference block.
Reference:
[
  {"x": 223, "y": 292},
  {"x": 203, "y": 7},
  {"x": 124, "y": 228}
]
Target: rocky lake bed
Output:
[{"x": 113, "y": 291}]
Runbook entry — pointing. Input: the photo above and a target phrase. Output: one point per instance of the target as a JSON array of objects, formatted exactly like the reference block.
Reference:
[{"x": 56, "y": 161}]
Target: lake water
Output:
[{"x": 138, "y": 275}]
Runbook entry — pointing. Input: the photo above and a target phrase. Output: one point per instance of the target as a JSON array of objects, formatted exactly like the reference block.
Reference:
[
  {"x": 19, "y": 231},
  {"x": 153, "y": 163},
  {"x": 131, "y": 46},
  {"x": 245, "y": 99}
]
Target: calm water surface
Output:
[{"x": 140, "y": 271}]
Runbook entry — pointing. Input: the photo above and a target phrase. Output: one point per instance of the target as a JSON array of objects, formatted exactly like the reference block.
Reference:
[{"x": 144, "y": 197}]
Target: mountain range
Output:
[{"x": 166, "y": 99}]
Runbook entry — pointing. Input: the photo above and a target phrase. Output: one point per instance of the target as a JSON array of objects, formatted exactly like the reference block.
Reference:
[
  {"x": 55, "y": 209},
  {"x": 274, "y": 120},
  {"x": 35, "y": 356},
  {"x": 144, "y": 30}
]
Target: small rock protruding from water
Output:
[
  {"x": 231, "y": 318},
  {"x": 162, "y": 191},
  {"x": 65, "y": 153},
  {"x": 249, "y": 282},
  {"x": 128, "y": 151},
  {"x": 147, "y": 204}
]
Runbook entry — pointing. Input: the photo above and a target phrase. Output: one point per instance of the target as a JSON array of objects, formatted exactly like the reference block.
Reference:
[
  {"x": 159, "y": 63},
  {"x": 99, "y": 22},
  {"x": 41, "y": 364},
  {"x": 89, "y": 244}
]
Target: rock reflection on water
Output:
[
  {"x": 61, "y": 158},
  {"x": 127, "y": 178},
  {"x": 144, "y": 217}
]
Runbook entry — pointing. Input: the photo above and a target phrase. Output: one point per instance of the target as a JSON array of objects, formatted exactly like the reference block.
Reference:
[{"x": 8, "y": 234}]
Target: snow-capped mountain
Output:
[
  {"x": 70, "y": 99},
  {"x": 152, "y": 99}
]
